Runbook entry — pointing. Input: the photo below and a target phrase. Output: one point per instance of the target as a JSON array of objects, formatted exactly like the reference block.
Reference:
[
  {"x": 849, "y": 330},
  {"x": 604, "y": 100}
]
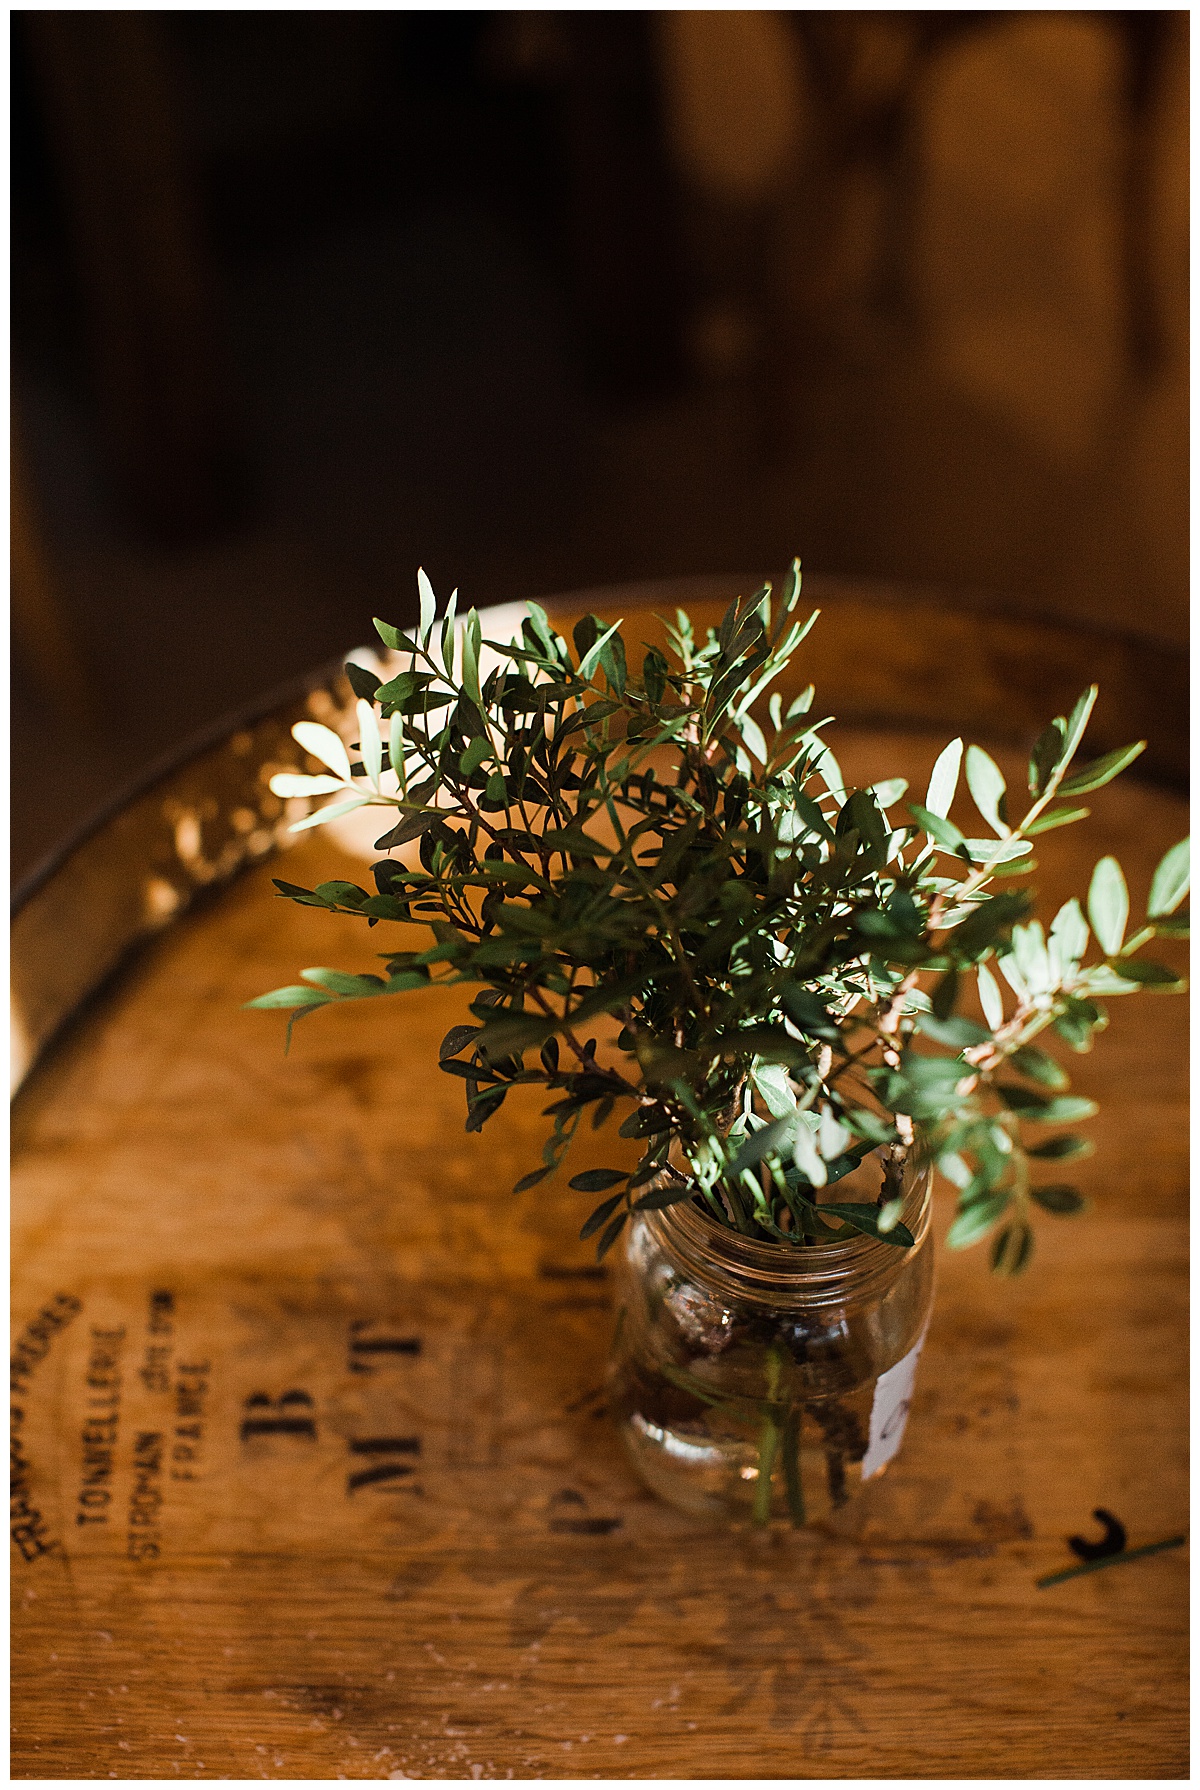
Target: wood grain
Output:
[{"x": 432, "y": 1558}]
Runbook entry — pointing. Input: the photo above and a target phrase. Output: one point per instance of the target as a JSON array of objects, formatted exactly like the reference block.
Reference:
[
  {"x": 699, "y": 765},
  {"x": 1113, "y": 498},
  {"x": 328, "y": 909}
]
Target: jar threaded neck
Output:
[{"x": 778, "y": 1275}]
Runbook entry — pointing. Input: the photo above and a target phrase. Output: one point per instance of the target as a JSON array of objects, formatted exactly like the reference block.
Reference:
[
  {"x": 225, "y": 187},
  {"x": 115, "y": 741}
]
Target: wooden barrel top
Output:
[{"x": 313, "y": 1475}]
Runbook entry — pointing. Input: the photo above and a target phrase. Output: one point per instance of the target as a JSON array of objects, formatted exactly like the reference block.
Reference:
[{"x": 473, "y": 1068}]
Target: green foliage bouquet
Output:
[{"x": 676, "y": 916}]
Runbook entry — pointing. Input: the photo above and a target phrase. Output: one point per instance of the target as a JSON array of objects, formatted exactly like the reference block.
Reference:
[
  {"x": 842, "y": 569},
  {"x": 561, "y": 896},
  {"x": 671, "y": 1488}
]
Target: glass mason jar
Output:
[{"x": 753, "y": 1380}]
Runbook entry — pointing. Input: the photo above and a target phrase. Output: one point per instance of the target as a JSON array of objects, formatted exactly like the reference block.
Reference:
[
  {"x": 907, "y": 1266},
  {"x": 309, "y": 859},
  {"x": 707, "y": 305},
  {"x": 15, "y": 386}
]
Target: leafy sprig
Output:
[{"x": 678, "y": 917}]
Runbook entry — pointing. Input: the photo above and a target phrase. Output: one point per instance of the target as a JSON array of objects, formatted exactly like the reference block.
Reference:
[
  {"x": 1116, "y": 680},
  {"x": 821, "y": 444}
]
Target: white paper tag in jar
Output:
[{"x": 889, "y": 1410}]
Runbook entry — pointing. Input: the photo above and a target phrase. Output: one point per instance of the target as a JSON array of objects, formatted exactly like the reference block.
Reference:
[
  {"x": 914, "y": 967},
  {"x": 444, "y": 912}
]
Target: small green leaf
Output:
[
  {"x": 807, "y": 1013},
  {"x": 364, "y": 683},
  {"x": 1012, "y": 1250},
  {"x": 610, "y": 1236},
  {"x": 937, "y": 1074},
  {"x": 672, "y": 1195},
  {"x": 976, "y": 1221},
  {"x": 1039, "y": 1067},
  {"x": 1060, "y": 1109},
  {"x": 944, "y": 782},
  {"x": 1021, "y": 867},
  {"x": 369, "y": 742},
  {"x": 589, "y": 716},
  {"x": 957, "y": 1031},
  {"x": 288, "y": 783},
  {"x": 406, "y": 980},
  {"x": 1077, "y": 722},
  {"x": 995, "y": 851},
  {"x": 789, "y": 594},
  {"x": 807, "y": 1157},
  {"x": 1171, "y": 881},
  {"x": 1068, "y": 940},
  {"x": 889, "y": 1216},
  {"x": 409, "y": 828},
  {"x": 954, "y": 1168},
  {"x": 324, "y": 744},
  {"x": 1062, "y": 1149},
  {"x": 596, "y": 1180},
  {"x": 1032, "y": 957},
  {"x": 861, "y": 812},
  {"x": 396, "y": 748},
  {"x": 987, "y": 786},
  {"x": 514, "y": 1032},
  {"x": 400, "y": 690},
  {"x": 1144, "y": 971},
  {"x": 1101, "y": 770},
  {"x": 752, "y": 735},
  {"x": 945, "y": 995},
  {"x": 771, "y": 1082},
  {"x": 1010, "y": 969},
  {"x": 392, "y": 637},
  {"x": 341, "y": 894},
  {"x": 867, "y": 1219},
  {"x": 1102, "y": 978},
  {"x": 1045, "y": 757},
  {"x": 591, "y": 658},
  {"x": 812, "y": 817},
  {"x": 477, "y": 750},
  {"x": 294, "y": 996},
  {"x": 654, "y": 674},
  {"x": 345, "y": 985},
  {"x": 612, "y": 663},
  {"x": 843, "y": 1165},
  {"x": 769, "y": 1139},
  {"x": 519, "y": 875},
  {"x": 471, "y": 635},
  {"x": 1108, "y": 905},
  {"x": 870, "y": 1126},
  {"x": 603, "y": 1210},
  {"x": 448, "y": 639},
  {"x": 990, "y": 998},
  {"x": 1174, "y": 926},
  {"x": 944, "y": 831},
  {"x": 1141, "y": 937},
  {"x": 1057, "y": 817},
  {"x": 832, "y": 1138},
  {"x": 828, "y": 767},
  {"x": 333, "y": 811},
  {"x": 531, "y": 1180},
  {"x": 1059, "y": 1198},
  {"x": 985, "y": 926},
  {"x": 428, "y": 605},
  {"x": 644, "y": 1121},
  {"x": 1079, "y": 1021}
]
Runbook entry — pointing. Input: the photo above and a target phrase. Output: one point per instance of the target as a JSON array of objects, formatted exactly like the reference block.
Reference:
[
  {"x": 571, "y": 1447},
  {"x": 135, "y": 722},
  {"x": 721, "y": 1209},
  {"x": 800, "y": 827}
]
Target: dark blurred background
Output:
[{"x": 546, "y": 300}]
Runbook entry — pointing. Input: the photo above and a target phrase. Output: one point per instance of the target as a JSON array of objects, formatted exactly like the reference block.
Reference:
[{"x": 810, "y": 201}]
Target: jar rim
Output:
[{"x": 819, "y": 1273}]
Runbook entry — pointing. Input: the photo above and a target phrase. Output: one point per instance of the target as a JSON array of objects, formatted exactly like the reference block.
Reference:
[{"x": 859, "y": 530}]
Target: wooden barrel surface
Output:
[{"x": 313, "y": 1477}]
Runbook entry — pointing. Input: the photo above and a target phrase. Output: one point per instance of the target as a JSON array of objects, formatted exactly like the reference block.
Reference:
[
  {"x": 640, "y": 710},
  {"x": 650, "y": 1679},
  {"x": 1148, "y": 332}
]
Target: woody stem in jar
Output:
[
  {"x": 769, "y": 1436},
  {"x": 791, "y": 1467}
]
